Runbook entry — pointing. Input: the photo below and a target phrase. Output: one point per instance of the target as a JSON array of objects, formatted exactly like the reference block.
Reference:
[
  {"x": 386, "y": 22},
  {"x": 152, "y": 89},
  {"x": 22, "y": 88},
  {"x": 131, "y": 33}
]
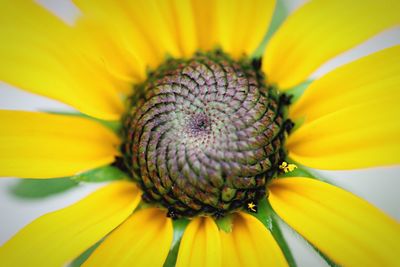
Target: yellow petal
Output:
[
  {"x": 360, "y": 136},
  {"x": 39, "y": 145},
  {"x": 205, "y": 22},
  {"x": 351, "y": 138},
  {"x": 58, "y": 237},
  {"x": 37, "y": 55},
  {"x": 250, "y": 244},
  {"x": 320, "y": 30},
  {"x": 351, "y": 116},
  {"x": 370, "y": 77},
  {"x": 241, "y": 25},
  {"x": 142, "y": 240},
  {"x": 148, "y": 30},
  {"x": 200, "y": 245},
  {"x": 179, "y": 18},
  {"x": 138, "y": 30},
  {"x": 346, "y": 228},
  {"x": 101, "y": 47}
]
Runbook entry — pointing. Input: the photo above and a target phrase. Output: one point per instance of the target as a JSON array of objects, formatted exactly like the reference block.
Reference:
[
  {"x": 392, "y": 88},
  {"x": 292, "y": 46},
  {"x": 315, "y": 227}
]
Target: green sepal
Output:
[
  {"x": 270, "y": 219},
  {"x": 179, "y": 228},
  {"x": 300, "y": 171},
  {"x": 280, "y": 14},
  {"x": 321, "y": 254},
  {"x": 115, "y": 126},
  {"x": 102, "y": 174},
  {"x": 328, "y": 261},
  {"x": 145, "y": 205},
  {"x": 297, "y": 91},
  {"x": 84, "y": 256},
  {"x": 225, "y": 223},
  {"x": 303, "y": 171},
  {"x": 40, "y": 188}
]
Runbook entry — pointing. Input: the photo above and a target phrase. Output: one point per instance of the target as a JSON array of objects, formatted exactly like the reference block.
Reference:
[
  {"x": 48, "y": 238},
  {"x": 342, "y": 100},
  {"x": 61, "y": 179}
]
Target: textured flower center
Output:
[{"x": 203, "y": 136}]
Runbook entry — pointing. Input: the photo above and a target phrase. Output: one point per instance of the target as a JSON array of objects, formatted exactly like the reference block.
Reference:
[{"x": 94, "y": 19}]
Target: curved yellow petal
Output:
[
  {"x": 39, "y": 145},
  {"x": 205, "y": 17},
  {"x": 351, "y": 116},
  {"x": 320, "y": 30},
  {"x": 346, "y": 228},
  {"x": 139, "y": 30},
  {"x": 371, "y": 77},
  {"x": 200, "y": 245},
  {"x": 250, "y": 244},
  {"x": 146, "y": 31},
  {"x": 101, "y": 48},
  {"x": 360, "y": 136},
  {"x": 38, "y": 56},
  {"x": 237, "y": 26},
  {"x": 179, "y": 16},
  {"x": 58, "y": 237},
  {"x": 142, "y": 240}
]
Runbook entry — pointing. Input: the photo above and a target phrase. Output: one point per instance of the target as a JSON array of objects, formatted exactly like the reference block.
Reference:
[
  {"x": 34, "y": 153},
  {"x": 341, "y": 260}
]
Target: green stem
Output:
[{"x": 271, "y": 220}]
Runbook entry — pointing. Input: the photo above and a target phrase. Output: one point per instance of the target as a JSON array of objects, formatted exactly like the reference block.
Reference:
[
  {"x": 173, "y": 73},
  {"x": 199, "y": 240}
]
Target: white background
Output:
[{"x": 379, "y": 186}]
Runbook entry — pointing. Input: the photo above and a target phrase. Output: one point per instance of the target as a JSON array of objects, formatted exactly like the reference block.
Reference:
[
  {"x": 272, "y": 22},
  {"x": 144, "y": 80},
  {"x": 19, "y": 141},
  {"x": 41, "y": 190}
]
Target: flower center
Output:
[{"x": 203, "y": 136}]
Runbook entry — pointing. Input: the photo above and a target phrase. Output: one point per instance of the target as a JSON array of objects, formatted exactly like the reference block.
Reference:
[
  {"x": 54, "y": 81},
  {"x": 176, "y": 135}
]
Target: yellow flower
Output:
[
  {"x": 349, "y": 120},
  {"x": 287, "y": 167}
]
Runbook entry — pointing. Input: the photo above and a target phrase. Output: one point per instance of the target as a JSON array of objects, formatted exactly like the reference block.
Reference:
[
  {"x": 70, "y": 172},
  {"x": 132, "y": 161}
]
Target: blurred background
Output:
[{"x": 379, "y": 186}]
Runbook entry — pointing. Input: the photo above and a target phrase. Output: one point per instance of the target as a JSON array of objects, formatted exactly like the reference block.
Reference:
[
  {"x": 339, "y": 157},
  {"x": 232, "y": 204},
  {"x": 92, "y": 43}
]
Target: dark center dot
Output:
[
  {"x": 203, "y": 136},
  {"x": 199, "y": 124}
]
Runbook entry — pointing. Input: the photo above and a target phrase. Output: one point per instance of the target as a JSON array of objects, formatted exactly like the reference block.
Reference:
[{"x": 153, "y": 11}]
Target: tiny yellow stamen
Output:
[
  {"x": 251, "y": 206},
  {"x": 287, "y": 167}
]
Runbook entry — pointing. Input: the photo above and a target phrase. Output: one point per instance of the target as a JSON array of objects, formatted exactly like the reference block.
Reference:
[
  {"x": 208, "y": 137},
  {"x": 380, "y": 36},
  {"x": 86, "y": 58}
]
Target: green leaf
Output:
[
  {"x": 270, "y": 219},
  {"x": 115, "y": 126},
  {"x": 84, "y": 256},
  {"x": 225, "y": 223},
  {"x": 102, "y": 174},
  {"x": 39, "y": 188},
  {"x": 280, "y": 14},
  {"x": 179, "y": 228}
]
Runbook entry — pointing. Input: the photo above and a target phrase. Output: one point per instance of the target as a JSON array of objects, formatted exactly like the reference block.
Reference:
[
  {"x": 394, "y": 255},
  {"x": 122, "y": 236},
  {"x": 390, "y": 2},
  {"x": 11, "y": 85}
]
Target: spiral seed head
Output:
[{"x": 204, "y": 135}]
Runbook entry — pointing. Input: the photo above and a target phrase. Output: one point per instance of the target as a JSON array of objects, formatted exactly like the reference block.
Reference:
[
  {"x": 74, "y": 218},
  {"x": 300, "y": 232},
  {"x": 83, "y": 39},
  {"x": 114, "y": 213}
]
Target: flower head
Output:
[
  {"x": 205, "y": 135},
  {"x": 210, "y": 130}
]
